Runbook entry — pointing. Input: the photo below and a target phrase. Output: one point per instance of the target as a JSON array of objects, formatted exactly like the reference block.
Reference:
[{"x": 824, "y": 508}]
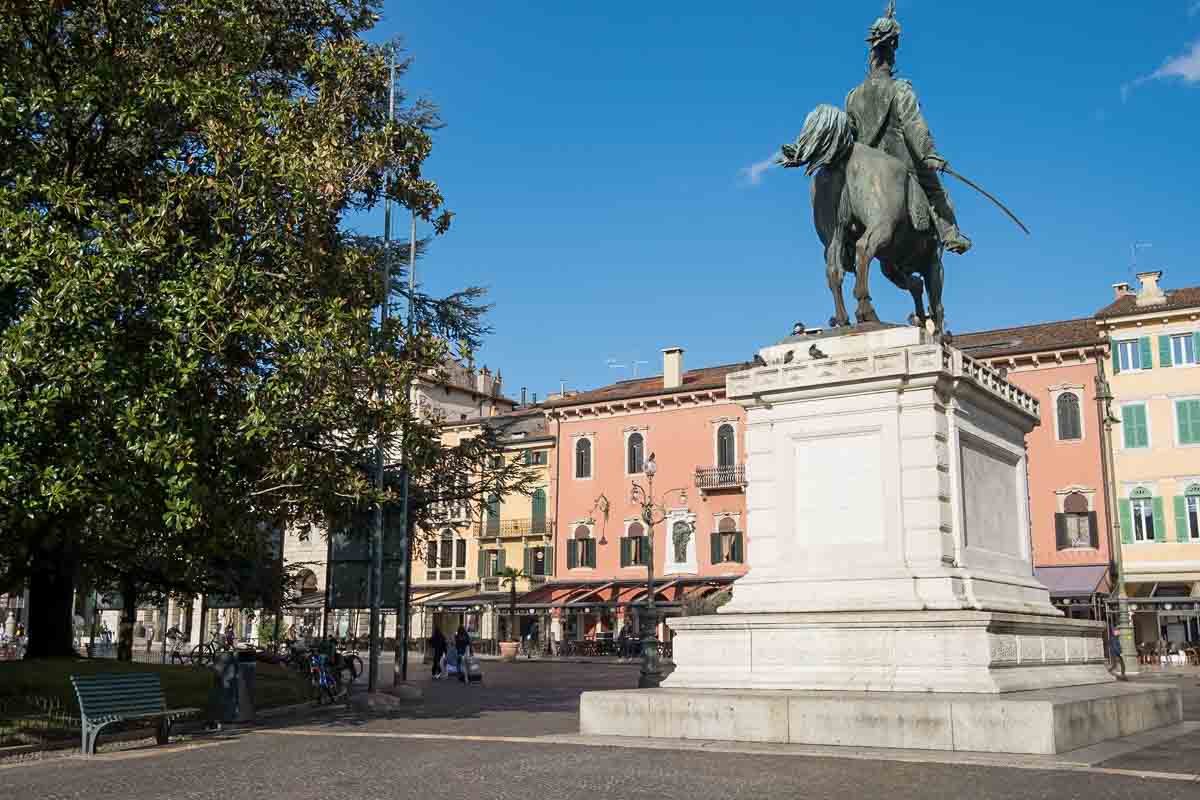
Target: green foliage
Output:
[{"x": 188, "y": 347}]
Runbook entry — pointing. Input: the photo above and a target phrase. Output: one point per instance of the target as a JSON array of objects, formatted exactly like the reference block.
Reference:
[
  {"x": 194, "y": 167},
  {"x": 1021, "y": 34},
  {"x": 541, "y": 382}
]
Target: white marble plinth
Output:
[
  {"x": 1047, "y": 722},
  {"x": 886, "y": 651}
]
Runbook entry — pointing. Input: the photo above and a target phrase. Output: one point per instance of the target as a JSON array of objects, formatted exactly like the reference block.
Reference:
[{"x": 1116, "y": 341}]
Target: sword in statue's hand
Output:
[{"x": 944, "y": 167}]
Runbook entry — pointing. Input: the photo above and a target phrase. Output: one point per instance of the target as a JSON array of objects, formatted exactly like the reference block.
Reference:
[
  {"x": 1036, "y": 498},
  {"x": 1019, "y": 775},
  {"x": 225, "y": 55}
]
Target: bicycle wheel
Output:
[{"x": 199, "y": 655}]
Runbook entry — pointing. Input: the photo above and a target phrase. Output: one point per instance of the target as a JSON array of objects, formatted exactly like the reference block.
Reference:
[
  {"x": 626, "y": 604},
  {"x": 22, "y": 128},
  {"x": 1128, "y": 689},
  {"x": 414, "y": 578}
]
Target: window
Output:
[
  {"x": 537, "y": 561},
  {"x": 1132, "y": 354},
  {"x": 726, "y": 455},
  {"x": 460, "y": 554},
  {"x": 497, "y": 462},
  {"x": 491, "y": 563},
  {"x": 1076, "y": 526},
  {"x": 1187, "y": 515},
  {"x": 727, "y": 542},
  {"x": 581, "y": 549},
  {"x": 1141, "y": 507},
  {"x": 1187, "y": 421},
  {"x": 635, "y": 549},
  {"x": 538, "y": 512},
  {"x": 1178, "y": 350},
  {"x": 493, "y": 515},
  {"x": 583, "y": 459},
  {"x": 308, "y": 583},
  {"x": 535, "y": 457},
  {"x": 1135, "y": 430},
  {"x": 635, "y": 447},
  {"x": 1069, "y": 425}
]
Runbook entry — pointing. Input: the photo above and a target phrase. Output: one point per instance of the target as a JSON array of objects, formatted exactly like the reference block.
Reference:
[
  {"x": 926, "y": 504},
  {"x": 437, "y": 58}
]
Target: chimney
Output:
[
  {"x": 497, "y": 385},
  {"x": 535, "y": 398},
  {"x": 672, "y": 367},
  {"x": 1150, "y": 293},
  {"x": 483, "y": 381},
  {"x": 522, "y": 395},
  {"x": 1121, "y": 290}
]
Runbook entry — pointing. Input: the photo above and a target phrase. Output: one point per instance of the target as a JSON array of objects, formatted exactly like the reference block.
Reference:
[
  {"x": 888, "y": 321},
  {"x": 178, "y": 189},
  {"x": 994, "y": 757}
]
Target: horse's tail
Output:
[{"x": 826, "y": 139}]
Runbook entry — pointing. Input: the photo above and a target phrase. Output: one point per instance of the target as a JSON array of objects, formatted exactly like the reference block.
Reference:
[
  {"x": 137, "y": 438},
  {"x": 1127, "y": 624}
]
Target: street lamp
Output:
[{"x": 652, "y": 513}]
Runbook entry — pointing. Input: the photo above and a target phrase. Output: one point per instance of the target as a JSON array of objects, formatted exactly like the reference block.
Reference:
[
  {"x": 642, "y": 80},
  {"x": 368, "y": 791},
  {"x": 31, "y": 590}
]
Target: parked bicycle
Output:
[
  {"x": 328, "y": 682},
  {"x": 206, "y": 652}
]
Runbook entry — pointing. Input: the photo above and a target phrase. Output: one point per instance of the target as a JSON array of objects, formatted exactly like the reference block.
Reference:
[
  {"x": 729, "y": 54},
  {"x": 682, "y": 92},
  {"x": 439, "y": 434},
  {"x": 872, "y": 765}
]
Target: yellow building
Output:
[
  {"x": 460, "y": 583},
  {"x": 1155, "y": 380}
]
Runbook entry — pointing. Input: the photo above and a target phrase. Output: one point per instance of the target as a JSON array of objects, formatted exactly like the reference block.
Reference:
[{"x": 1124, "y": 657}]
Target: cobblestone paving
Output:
[{"x": 350, "y": 756}]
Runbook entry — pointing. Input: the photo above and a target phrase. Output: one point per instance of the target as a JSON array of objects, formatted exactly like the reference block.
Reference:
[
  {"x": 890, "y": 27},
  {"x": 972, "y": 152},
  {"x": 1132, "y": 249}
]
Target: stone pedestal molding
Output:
[{"x": 890, "y": 598}]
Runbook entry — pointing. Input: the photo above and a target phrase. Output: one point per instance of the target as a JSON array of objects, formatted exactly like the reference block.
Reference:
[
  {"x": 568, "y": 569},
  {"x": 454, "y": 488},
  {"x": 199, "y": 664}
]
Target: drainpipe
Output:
[{"x": 1116, "y": 566}]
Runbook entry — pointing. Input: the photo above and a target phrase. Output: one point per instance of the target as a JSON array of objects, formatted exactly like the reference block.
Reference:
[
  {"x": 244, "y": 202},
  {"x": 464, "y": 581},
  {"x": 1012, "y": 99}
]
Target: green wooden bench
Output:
[{"x": 121, "y": 696}]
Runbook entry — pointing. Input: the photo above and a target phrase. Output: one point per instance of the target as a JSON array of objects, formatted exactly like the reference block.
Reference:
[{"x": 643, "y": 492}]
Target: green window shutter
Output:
[
  {"x": 739, "y": 554},
  {"x": 1160, "y": 527},
  {"x": 1181, "y": 521},
  {"x": 500, "y": 560},
  {"x": 715, "y": 539},
  {"x": 1116, "y": 359},
  {"x": 572, "y": 554},
  {"x": 1093, "y": 530},
  {"x": 551, "y": 568},
  {"x": 1164, "y": 351},
  {"x": 1187, "y": 415},
  {"x": 1196, "y": 345},
  {"x": 539, "y": 511},
  {"x": 1126, "y": 521},
  {"x": 1133, "y": 421},
  {"x": 1060, "y": 532},
  {"x": 589, "y": 551},
  {"x": 483, "y": 564},
  {"x": 625, "y": 555},
  {"x": 528, "y": 567},
  {"x": 1146, "y": 353}
]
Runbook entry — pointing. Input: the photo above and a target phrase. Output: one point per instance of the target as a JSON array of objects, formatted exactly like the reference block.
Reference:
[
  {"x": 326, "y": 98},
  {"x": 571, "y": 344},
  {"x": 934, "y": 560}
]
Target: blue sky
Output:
[{"x": 595, "y": 156}]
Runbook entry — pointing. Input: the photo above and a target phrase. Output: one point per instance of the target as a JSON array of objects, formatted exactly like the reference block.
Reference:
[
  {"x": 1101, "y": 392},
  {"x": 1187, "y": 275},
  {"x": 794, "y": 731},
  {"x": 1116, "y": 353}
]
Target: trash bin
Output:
[{"x": 247, "y": 668}]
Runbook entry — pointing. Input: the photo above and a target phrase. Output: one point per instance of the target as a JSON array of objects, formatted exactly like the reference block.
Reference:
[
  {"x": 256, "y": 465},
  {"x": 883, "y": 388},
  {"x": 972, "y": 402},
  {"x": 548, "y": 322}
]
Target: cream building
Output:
[{"x": 1154, "y": 336}]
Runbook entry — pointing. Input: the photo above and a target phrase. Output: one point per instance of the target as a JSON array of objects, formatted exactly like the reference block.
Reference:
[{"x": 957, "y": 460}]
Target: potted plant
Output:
[{"x": 510, "y": 646}]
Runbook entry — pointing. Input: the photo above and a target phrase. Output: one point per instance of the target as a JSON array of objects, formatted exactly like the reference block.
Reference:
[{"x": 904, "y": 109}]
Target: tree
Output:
[
  {"x": 188, "y": 350},
  {"x": 509, "y": 576}
]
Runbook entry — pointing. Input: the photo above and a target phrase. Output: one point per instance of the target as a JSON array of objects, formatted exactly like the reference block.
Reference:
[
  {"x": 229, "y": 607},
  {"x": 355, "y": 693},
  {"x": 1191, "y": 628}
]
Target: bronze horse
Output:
[{"x": 867, "y": 205}]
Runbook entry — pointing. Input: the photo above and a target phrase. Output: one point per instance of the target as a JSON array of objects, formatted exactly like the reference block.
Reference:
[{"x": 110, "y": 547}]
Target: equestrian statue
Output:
[{"x": 877, "y": 191}]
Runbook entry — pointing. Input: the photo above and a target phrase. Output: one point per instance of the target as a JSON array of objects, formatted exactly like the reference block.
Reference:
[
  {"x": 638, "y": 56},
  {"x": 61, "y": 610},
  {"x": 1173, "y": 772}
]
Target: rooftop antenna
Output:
[
  {"x": 1133, "y": 250},
  {"x": 614, "y": 364}
]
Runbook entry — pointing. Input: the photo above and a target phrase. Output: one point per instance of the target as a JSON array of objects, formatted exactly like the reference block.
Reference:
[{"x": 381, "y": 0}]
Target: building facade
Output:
[
  {"x": 1058, "y": 363},
  {"x": 1154, "y": 338},
  {"x": 605, "y": 439}
]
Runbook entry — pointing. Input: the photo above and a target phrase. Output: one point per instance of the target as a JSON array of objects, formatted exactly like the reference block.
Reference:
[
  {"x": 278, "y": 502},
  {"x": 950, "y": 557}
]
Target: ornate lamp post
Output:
[{"x": 652, "y": 513}]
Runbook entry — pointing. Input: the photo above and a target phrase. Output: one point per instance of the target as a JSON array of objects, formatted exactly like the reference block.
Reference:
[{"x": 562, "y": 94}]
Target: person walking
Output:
[
  {"x": 437, "y": 643},
  {"x": 531, "y": 640},
  {"x": 462, "y": 643},
  {"x": 1114, "y": 652}
]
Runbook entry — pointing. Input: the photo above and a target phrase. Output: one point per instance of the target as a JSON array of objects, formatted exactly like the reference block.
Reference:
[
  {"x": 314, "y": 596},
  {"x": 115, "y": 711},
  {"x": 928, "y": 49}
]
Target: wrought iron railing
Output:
[
  {"x": 519, "y": 527},
  {"x": 720, "y": 477}
]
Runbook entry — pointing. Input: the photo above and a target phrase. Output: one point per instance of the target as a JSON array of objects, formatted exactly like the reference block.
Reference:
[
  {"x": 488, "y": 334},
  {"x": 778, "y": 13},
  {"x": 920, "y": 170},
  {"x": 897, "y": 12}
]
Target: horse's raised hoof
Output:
[{"x": 834, "y": 322}]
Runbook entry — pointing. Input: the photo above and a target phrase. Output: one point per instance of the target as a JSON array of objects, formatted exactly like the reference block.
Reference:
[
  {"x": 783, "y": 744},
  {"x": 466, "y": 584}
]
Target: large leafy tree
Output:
[{"x": 187, "y": 345}]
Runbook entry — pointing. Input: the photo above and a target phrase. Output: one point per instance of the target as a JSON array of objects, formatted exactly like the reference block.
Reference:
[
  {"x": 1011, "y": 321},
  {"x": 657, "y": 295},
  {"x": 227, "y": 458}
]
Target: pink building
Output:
[
  {"x": 1056, "y": 362},
  {"x": 605, "y": 437}
]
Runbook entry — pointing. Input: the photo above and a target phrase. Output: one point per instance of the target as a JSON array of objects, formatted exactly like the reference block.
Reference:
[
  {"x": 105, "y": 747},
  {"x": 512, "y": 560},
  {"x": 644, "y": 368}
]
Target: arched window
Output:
[
  {"x": 581, "y": 549},
  {"x": 446, "y": 548},
  {"x": 725, "y": 449},
  {"x": 1074, "y": 527},
  {"x": 1069, "y": 426},
  {"x": 635, "y": 447},
  {"x": 583, "y": 459},
  {"x": 635, "y": 550},
  {"x": 308, "y": 583},
  {"x": 727, "y": 542}
]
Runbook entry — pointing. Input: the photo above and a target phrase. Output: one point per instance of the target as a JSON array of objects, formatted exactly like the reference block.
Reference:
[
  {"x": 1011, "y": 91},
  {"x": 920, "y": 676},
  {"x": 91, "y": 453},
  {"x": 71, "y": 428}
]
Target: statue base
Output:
[{"x": 890, "y": 599}]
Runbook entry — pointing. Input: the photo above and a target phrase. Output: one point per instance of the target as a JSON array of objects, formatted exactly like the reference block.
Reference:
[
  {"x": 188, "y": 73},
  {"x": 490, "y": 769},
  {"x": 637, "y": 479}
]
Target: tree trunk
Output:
[
  {"x": 129, "y": 595},
  {"x": 50, "y": 625}
]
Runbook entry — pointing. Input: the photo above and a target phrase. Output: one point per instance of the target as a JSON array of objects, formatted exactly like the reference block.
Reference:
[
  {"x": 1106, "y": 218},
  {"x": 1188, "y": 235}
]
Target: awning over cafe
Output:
[{"x": 1073, "y": 581}]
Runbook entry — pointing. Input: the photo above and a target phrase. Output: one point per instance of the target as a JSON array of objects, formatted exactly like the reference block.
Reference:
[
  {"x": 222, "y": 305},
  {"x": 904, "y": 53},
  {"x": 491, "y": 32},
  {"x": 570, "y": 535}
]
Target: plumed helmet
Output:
[{"x": 886, "y": 29}]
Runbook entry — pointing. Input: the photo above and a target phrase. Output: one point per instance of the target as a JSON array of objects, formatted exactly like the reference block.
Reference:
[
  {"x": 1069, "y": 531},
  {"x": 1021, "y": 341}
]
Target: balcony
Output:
[
  {"x": 524, "y": 584},
  {"x": 711, "y": 479},
  {"x": 519, "y": 527}
]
